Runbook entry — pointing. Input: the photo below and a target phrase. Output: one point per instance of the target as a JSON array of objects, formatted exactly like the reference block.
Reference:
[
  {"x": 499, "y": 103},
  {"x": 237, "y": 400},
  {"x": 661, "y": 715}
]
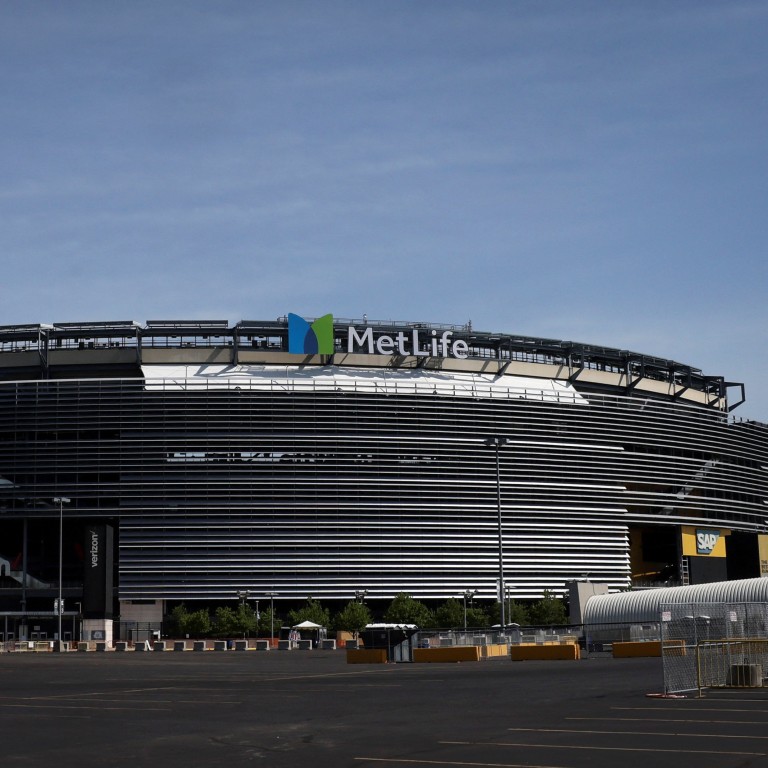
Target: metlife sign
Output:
[{"x": 415, "y": 342}]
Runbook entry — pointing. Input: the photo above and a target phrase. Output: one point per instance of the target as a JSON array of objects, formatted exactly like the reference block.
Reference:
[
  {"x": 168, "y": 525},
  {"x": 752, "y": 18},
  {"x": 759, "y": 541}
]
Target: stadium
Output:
[{"x": 146, "y": 464}]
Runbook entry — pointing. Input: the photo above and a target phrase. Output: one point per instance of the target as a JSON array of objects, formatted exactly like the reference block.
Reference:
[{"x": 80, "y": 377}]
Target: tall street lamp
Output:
[
  {"x": 468, "y": 595},
  {"x": 243, "y": 595},
  {"x": 271, "y": 596},
  {"x": 497, "y": 442},
  {"x": 61, "y": 501}
]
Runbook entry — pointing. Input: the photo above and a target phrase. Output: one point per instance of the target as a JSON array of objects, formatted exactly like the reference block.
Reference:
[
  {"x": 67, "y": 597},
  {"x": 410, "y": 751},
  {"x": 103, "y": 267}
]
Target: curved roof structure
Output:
[
  {"x": 59, "y": 350},
  {"x": 645, "y": 605}
]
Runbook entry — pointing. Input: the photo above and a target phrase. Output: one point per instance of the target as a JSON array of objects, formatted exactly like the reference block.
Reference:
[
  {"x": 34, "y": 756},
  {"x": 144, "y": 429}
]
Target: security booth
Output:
[{"x": 398, "y": 639}]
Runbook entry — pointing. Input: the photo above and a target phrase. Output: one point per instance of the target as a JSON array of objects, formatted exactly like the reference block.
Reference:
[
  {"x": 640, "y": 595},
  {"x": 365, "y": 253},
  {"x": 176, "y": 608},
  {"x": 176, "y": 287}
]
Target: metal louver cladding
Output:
[{"x": 287, "y": 483}]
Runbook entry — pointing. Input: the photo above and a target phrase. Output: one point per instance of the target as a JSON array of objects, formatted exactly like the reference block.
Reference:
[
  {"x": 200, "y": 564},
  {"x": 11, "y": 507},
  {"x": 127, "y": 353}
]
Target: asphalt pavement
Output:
[{"x": 296, "y": 708}]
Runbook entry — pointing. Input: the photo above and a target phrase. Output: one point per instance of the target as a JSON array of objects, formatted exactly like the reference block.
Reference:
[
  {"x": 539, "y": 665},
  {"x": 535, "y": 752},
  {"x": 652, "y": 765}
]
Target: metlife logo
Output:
[
  {"x": 314, "y": 339},
  {"x": 317, "y": 338}
]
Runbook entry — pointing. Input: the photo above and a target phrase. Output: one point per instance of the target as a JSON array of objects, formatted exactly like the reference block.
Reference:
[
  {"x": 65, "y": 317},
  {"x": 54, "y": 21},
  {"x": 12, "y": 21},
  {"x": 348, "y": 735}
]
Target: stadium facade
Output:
[{"x": 326, "y": 457}]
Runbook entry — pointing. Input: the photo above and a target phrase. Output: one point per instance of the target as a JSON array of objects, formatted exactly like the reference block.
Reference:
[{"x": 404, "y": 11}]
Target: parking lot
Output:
[{"x": 294, "y": 708}]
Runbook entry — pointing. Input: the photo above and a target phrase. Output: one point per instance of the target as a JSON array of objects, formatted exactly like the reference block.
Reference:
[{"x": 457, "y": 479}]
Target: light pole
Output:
[
  {"x": 497, "y": 442},
  {"x": 271, "y": 596},
  {"x": 61, "y": 501},
  {"x": 243, "y": 595},
  {"x": 468, "y": 595}
]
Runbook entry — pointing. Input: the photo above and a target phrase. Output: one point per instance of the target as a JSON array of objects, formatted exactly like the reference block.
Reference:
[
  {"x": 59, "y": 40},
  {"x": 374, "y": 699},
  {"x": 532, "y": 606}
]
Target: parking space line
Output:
[
  {"x": 668, "y": 720},
  {"x": 412, "y": 761},
  {"x": 72, "y": 707},
  {"x": 602, "y": 749},
  {"x": 688, "y": 709},
  {"x": 635, "y": 733},
  {"x": 4, "y": 700}
]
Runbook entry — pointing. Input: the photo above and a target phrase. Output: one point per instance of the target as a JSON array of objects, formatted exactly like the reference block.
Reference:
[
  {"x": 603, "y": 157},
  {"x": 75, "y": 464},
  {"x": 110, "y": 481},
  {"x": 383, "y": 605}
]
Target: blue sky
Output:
[{"x": 591, "y": 171}]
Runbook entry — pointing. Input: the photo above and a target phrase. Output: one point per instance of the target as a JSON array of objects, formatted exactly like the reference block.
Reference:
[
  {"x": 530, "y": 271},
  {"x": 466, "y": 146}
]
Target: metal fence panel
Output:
[{"x": 707, "y": 645}]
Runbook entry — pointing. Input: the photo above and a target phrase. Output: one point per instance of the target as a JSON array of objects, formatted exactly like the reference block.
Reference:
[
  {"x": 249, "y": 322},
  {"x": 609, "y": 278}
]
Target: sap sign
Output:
[{"x": 706, "y": 541}]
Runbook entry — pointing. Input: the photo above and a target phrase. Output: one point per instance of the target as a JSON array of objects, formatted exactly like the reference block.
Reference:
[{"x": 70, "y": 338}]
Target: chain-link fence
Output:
[
  {"x": 594, "y": 639},
  {"x": 707, "y": 645}
]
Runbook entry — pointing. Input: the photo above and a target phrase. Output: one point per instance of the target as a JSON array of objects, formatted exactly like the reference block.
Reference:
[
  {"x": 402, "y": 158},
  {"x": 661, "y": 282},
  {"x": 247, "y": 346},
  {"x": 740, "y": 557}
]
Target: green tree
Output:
[
  {"x": 225, "y": 622},
  {"x": 477, "y": 616},
  {"x": 266, "y": 623},
  {"x": 311, "y": 611},
  {"x": 516, "y": 613},
  {"x": 198, "y": 624},
  {"x": 237, "y": 622},
  {"x": 406, "y": 610},
  {"x": 177, "y": 621},
  {"x": 451, "y": 614},
  {"x": 352, "y": 618},
  {"x": 548, "y": 611},
  {"x": 245, "y": 620}
]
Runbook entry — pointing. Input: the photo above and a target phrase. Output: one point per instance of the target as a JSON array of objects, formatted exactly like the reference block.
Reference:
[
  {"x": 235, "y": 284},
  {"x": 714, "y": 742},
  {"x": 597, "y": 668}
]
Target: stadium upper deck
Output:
[{"x": 121, "y": 348}]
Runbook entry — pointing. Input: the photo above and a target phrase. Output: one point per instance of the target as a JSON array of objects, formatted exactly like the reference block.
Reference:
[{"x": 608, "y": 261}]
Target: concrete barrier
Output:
[
  {"x": 121, "y": 646},
  {"x": 446, "y": 654},
  {"x": 262, "y": 645},
  {"x": 241, "y": 645},
  {"x": 179, "y": 645},
  {"x": 304, "y": 645},
  {"x": 101, "y": 647},
  {"x": 535, "y": 652},
  {"x": 630, "y": 649},
  {"x": 493, "y": 651},
  {"x": 328, "y": 645},
  {"x": 82, "y": 647},
  {"x": 366, "y": 655},
  {"x": 284, "y": 645},
  {"x": 219, "y": 645},
  {"x": 160, "y": 646},
  {"x": 638, "y": 648},
  {"x": 199, "y": 645}
]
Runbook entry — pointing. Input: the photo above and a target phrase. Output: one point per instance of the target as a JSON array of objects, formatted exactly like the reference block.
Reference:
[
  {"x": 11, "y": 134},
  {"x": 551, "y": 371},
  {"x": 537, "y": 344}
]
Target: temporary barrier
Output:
[
  {"x": 707, "y": 645},
  {"x": 534, "y": 652}
]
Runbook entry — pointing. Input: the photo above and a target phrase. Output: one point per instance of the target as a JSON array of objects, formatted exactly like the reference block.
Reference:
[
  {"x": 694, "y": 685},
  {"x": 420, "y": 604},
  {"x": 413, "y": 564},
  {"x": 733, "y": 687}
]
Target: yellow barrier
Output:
[
  {"x": 533, "y": 652},
  {"x": 636, "y": 648},
  {"x": 366, "y": 656},
  {"x": 449, "y": 653},
  {"x": 489, "y": 651}
]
